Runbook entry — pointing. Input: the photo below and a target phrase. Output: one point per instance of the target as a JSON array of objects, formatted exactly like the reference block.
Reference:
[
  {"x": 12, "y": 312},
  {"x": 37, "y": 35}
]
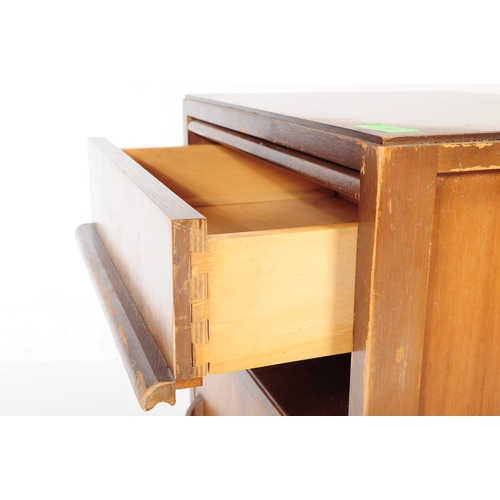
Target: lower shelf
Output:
[{"x": 318, "y": 387}]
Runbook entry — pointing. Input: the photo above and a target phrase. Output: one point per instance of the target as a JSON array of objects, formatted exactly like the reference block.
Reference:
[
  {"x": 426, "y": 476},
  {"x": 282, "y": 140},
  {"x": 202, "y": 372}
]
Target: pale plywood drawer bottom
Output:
[{"x": 233, "y": 263}]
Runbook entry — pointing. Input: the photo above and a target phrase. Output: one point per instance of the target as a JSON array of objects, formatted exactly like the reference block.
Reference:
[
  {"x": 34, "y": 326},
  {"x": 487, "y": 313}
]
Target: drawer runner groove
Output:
[{"x": 330, "y": 175}]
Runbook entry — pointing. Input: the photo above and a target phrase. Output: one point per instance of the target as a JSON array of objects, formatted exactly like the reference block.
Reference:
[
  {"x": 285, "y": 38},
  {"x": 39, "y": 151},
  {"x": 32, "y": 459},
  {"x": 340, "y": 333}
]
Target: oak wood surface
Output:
[
  {"x": 150, "y": 376},
  {"x": 461, "y": 369}
]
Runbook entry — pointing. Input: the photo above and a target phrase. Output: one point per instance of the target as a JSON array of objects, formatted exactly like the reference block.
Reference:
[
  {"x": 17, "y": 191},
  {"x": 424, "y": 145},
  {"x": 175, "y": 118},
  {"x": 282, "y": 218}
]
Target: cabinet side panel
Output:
[{"x": 461, "y": 369}]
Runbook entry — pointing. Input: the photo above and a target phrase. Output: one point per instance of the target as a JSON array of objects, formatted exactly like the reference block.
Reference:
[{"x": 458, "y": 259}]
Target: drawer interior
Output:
[
  {"x": 239, "y": 193},
  {"x": 276, "y": 283}
]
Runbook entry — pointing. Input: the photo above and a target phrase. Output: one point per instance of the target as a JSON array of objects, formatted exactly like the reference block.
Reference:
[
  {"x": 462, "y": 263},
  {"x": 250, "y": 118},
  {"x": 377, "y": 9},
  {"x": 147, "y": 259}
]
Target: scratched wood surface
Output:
[
  {"x": 218, "y": 304},
  {"x": 340, "y": 179},
  {"x": 429, "y": 185},
  {"x": 427, "y": 117},
  {"x": 395, "y": 233},
  {"x": 469, "y": 157},
  {"x": 149, "y": 233},
  {"x": 393, "y": 369},
  {"x": 328, "y": 126},
  {"x": 150, "y": 376}
]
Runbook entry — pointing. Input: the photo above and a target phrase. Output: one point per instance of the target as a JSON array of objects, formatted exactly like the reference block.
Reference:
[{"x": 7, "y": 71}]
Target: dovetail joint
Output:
[{"x": 200, "y": 332}]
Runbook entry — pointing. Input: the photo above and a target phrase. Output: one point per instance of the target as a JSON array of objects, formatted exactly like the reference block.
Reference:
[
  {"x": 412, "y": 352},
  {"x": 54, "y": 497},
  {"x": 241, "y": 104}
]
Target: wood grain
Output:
[
  {"x": 304, "y": 137},
  {"x": 271, "y": 302},
  {"x": 461, "y": 372},
  {"x": 150, "y": 376},
  {"x": 313, "y": 119},
  {"x": 149, "y": 233},
  {"x": 469, "y": 157},
  {"x": 343, "y": 180},
  {"x": 287, "y": 214},
  {"x": 395, "y": 232},
  {"x": 208, "y": 175}
]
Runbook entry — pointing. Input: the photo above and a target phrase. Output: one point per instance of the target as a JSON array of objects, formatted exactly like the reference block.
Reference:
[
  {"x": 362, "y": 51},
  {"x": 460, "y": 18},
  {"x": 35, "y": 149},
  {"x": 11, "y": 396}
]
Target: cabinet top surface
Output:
[{"x": 379, "y": 117}]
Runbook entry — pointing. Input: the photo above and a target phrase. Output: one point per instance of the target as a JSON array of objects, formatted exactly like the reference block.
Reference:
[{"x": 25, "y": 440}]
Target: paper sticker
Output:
[{"x": 380, "y": 127}]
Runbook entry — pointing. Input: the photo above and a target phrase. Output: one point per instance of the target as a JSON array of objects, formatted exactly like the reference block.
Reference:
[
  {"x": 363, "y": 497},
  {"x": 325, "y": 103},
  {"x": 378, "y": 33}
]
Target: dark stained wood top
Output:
[{"x": 427, "y": 117}]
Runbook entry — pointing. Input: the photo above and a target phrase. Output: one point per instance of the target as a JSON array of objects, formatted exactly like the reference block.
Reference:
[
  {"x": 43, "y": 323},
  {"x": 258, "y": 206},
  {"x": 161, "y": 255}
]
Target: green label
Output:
[{"x": 380, "y": 127}]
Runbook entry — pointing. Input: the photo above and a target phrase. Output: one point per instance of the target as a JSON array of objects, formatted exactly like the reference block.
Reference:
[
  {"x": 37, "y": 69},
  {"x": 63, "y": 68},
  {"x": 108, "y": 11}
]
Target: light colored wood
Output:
[
  {"x": 398, "y": 187},
  {"x": 205, "y": 175},
  {"x": 461, "y": 368},
  {"x": 285, "y": 214},
  {"x": 148, "y": 233},
  {"x": 277, "y": 296}
]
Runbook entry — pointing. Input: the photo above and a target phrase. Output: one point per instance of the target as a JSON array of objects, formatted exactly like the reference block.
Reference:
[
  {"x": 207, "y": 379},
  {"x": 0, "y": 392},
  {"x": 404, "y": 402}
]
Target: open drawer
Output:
[{"x": 231, "y": 263}]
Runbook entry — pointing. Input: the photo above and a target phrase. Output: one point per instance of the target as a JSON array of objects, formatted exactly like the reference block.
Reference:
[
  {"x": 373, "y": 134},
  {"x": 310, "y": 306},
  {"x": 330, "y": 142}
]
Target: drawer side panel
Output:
[{"x": 277, "y": 297}]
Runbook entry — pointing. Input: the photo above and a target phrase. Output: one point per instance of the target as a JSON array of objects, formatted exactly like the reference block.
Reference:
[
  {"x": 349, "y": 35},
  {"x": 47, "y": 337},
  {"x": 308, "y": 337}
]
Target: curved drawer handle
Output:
[{"x": 150, "y": 376}]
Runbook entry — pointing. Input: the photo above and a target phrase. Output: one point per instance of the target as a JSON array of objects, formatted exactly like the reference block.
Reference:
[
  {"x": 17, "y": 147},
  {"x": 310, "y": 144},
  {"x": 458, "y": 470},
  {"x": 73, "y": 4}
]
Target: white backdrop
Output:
[
  {"x": 72, "y": 70},
  {"x": 54, "y": 341}
]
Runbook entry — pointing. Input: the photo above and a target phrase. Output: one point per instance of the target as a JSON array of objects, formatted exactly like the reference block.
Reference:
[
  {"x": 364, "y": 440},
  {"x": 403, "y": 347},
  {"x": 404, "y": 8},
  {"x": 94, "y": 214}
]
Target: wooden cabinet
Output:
[{"x": 298, "y": 228}]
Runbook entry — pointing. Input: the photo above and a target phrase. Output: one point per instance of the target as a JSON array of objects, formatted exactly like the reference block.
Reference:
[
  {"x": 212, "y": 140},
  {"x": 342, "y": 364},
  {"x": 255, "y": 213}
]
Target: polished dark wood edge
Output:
[
  {"x": 340, "y": 179},
  {"x": 349, "y": 133},
  {"x": 307, "y": 138},
  {"x": 150, "y": 376}
]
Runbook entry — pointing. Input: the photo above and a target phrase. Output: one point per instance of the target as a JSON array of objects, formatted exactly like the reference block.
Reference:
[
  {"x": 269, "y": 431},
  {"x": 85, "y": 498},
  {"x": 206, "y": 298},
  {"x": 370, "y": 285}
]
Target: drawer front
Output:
[
  {"x": 232, "y": 263},
  {"x": 149, "y": 234}
]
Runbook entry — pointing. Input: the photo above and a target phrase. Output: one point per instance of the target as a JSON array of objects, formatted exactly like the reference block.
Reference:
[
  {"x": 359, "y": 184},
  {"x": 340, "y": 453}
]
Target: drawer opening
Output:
[
  {"x": 239, "y": 193},
  {"x": 276, "y": 282}
]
